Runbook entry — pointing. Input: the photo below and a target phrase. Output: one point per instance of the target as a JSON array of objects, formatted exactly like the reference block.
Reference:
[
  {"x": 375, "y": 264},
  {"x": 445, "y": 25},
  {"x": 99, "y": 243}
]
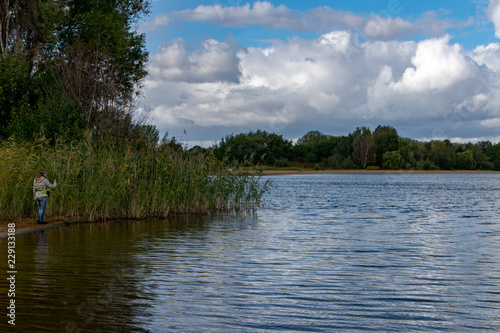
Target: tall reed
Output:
[{"x": 119, "y": 181}]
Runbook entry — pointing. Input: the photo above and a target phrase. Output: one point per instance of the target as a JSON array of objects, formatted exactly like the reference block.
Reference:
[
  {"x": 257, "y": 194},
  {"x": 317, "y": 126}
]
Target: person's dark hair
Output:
[{"x": 41, "y": 174}]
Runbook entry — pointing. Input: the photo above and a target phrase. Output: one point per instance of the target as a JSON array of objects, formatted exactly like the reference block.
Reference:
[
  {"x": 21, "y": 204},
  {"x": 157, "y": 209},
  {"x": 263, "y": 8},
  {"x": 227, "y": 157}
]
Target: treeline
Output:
[{"x": 361, "y": 149}]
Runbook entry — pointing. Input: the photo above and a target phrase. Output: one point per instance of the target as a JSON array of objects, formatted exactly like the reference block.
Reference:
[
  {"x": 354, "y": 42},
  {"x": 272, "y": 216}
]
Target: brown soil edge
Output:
[
  {"x": 26, "y": 230},
  {"x": 27, "y": 225}
]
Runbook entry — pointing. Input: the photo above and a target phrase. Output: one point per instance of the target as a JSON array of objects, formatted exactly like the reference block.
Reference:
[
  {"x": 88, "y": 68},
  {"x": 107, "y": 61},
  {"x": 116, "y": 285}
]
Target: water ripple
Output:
[{"x": 325, "y": 253}]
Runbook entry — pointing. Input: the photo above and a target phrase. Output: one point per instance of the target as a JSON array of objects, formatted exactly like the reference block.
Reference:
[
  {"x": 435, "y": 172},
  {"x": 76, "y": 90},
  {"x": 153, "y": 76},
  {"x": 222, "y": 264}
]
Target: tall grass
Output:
[{"x": 119, "y": 181}]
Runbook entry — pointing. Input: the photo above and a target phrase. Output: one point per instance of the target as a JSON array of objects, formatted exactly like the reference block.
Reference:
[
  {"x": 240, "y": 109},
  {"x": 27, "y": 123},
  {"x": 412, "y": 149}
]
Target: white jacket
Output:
[{"x": 41, "y": 184}]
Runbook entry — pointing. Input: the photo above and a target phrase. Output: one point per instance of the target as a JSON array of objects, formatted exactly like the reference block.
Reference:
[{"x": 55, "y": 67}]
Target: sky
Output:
[{"x": 430, "y": 69}]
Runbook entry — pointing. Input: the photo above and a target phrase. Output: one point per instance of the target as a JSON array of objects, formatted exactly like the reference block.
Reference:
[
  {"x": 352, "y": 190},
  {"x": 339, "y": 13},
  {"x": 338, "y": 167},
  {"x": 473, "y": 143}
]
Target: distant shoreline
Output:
[{"x": 319, "y": 172}]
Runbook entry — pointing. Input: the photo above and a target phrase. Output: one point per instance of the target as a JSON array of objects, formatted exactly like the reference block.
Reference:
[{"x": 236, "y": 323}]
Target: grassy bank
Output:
[{"x": 119, "y": 181}]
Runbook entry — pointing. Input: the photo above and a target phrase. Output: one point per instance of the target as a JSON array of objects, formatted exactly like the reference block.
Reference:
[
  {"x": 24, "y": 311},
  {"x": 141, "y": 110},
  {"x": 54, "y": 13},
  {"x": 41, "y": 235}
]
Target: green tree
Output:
[
  {"x": 443, "y": 154},
  {"x": 62, "y": 57},
  {"x": 363, "y": 146},
  {"x": 344, "y": 146},
  {"x": 392, "y": 160},
  {"x": 315, "y": 147},
  {"x": 466, "y": 160},
  {"x": 482, "y": 160},
  {"x": 14, "y": 86},
  {"x": 386, "y": 139},
  {"x": 408, "y": 149},
  {"x": 253, "y": 148},
  {"x": 314, "y": 137},
  {"x": 491, "y": 151},
  {"x": 27, "y": 30}
]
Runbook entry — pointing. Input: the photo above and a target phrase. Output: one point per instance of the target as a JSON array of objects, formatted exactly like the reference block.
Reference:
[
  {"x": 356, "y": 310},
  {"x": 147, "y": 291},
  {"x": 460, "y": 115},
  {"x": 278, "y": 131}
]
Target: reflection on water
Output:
[{"x": 324, "y": 253}]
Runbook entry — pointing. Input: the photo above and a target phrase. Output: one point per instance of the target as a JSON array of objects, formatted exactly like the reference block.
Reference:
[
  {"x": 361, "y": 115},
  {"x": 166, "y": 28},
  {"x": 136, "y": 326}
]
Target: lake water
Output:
[{"x": 324, "y": 253}]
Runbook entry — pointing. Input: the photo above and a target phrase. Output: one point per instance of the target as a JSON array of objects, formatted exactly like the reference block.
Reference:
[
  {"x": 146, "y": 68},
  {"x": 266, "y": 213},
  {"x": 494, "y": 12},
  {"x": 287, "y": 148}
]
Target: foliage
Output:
[
  {"x": 281, "y": 163},
  {"x": 363, "y": 147},
  {"x": 119, "y": 181},
  {"x": 381, "y": 149},
  {"x": 80, "y": 61},
  {"x": 312, "y": 137},
  {"x": 70, "y": 73},
  {"x": 466, "y": 160},
  {"x": 386, "y": 139},
  {"x": 253, "y": 148},
  {"x": 392, "y": 160},
  {"x": 314, "y": 147}
]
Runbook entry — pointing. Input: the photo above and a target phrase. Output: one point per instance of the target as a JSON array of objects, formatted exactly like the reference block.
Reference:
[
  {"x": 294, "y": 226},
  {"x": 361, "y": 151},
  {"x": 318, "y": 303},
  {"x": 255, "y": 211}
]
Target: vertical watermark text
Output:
[{"x": 11, "y": 273}]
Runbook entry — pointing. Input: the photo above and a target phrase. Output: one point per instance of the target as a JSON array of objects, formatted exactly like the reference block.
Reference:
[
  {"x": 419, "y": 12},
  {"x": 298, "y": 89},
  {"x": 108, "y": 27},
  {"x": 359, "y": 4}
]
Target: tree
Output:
[
  {"x": 493, "y": 153},
  {"x": 443, "y": 154},
  {"x": 315, "y": 147},
  {"x": 103, "y": 59},
  {"x": 363, "y": 147},
  {"x": 408, "y": 149},
  {"x": 70, "y": 55},
  {"x": 14, "y": 83},
  {"x": 466, "y": 160},
  {"x": 253, "y": 148},
  {"x": 386, "y": 139},
  {"x": 392, "y": 160},
  {"x": 314, "y": 137},
  {"x": 482, "y": 160}
]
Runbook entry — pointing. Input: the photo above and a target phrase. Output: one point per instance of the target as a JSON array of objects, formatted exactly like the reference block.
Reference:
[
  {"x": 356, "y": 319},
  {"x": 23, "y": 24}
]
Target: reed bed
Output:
[{"x": 120, "y": 181}]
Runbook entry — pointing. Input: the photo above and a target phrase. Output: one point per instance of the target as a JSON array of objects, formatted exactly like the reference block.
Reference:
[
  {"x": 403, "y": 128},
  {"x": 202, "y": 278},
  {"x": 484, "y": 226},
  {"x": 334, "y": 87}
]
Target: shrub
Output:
[{"x": 282, "y": 163}]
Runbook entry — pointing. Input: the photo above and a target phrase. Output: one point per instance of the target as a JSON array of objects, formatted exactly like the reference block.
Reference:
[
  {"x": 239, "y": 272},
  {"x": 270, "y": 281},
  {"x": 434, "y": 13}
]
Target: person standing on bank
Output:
[{"x": 41, "y": 187}]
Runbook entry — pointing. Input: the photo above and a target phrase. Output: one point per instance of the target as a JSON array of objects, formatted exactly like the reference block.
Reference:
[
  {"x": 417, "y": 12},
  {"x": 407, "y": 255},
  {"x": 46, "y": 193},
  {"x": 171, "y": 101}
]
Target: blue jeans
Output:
[{"x": 42, "y": 205}]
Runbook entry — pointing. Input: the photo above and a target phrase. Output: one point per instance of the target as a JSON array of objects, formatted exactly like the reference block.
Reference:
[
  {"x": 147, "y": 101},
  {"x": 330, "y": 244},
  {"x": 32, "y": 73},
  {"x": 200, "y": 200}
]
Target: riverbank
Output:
[
  {"x": 306, "y": 172},
  {"x": 26, "y": 225}
]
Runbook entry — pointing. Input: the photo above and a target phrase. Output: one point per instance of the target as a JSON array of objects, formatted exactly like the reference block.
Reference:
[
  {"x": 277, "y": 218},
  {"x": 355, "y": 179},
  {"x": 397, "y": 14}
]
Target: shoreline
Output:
[
  {"x": 354, "y": 172},
  {"x": 27, "y": 225},
  {"x": 26, "y": 229}
]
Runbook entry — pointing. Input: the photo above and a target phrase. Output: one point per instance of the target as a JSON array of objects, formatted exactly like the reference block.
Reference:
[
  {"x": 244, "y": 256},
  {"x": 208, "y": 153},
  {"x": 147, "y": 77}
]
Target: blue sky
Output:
[
  {"x": 481, "y": 31},
  {"x": 428, "y": 68}
]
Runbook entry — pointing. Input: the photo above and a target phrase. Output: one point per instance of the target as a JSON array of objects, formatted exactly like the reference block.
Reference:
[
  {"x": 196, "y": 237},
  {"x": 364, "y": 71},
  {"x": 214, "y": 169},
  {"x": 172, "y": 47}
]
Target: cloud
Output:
[
  {"x": 487, "y": 55},
  {"x": 327, "y": 18},
  {"x": 159, "y": 21},
  {"x": 261, "y": 13},
  {"x": 387, "y": 29},
  {"x": 494, "y": 122},
  {"x": 494, "y": 13},
  {"x": 437, "y": 65},
  {"x": 212, "y": 62},
  {"x": 381, "y": 26},
  {"x": 430, "y": 88}
]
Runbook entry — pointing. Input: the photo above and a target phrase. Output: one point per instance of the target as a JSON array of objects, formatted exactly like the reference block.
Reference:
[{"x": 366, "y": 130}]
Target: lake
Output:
[{"x": 323, "y": 253}]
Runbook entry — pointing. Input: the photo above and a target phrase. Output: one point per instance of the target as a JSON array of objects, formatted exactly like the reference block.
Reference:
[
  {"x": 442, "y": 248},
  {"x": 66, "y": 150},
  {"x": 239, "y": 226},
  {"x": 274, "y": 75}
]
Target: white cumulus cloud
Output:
[
  {"x": 494, "y": 12},
  {"x": 437, "y": 65},
  {"x": 213, "y": 61},
  {"x": 330, "y": 83}
]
